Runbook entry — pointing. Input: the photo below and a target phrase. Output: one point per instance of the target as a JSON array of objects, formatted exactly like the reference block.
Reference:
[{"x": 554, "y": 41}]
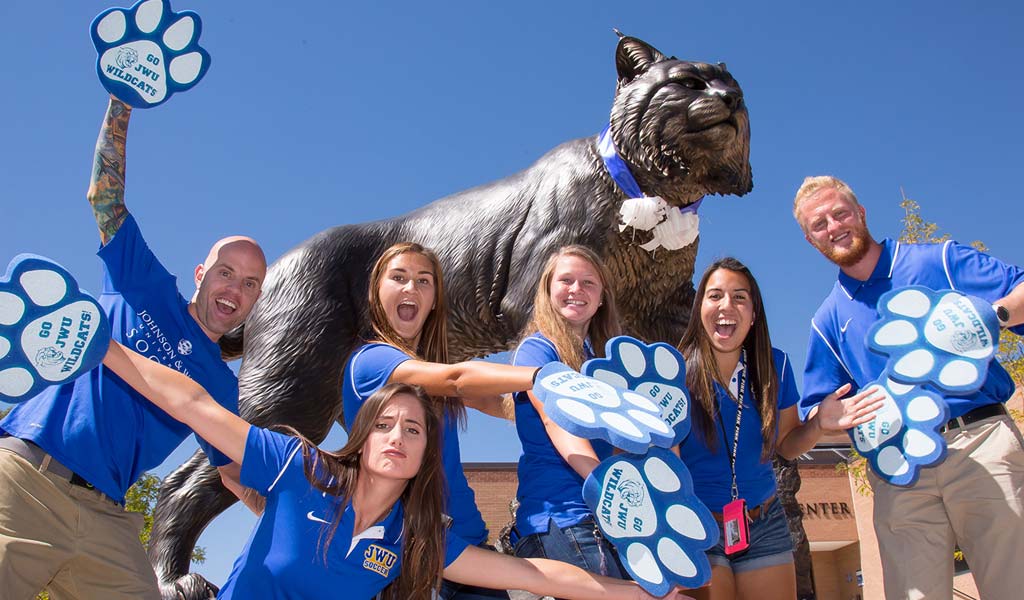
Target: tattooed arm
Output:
[{"x": 106, "y": 187}]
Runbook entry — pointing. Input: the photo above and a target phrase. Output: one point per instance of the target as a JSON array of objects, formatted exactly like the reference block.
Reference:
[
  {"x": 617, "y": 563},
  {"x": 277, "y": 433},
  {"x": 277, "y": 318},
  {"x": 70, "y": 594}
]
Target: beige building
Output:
[{"x": 837, "y": 511}]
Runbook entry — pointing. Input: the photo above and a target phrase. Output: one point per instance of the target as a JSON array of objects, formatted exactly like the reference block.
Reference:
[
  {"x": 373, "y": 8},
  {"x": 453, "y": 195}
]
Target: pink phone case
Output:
[{"x": 734, "y": 527}]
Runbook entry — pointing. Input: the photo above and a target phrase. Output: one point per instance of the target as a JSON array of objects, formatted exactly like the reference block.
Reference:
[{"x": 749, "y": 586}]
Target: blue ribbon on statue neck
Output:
[
  {"x": 620, "y": 172},
  {"x": 617, "y": 167}
]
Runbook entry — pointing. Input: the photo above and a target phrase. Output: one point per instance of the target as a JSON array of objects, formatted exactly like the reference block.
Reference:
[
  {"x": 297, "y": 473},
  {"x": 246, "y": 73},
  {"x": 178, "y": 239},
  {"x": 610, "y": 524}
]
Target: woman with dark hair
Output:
[
  {"x": 408, "y": 344},
  {"x": 744, "y": 412},
  {"x": 361, "y": 521},
  {"x": 574, "y": 315}
]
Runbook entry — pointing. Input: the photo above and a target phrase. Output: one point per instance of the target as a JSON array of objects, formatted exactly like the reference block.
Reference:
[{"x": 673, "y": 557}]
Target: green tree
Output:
[{"x": 140, "y": 498}]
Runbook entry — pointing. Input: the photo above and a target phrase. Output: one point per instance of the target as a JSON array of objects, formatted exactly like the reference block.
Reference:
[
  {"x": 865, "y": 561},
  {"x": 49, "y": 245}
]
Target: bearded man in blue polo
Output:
[
  {"x": 68, "y": 455},
  {"x": 973, "y": 497}
]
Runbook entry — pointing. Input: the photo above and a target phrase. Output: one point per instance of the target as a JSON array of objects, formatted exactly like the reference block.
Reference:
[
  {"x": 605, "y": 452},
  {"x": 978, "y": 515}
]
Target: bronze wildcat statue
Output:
[{"x": 682, "y": 129}]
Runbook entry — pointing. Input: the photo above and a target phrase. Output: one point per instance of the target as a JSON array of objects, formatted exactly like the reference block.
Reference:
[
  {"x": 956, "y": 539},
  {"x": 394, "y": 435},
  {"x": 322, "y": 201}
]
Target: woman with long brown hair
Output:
[
  {"x": 574, "y": 315},
  {"x": 744, "y": 412},
  {"x": 408, "y": 343},
  {"x": 364, "y": 520}
]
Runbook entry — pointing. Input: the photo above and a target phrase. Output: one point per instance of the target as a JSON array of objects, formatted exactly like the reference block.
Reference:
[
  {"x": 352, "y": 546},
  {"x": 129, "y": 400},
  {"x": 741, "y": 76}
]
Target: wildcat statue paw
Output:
[
  {"x": 50, "y": 331},
  {"x": 646, "y": 507},
  {"x": 942, "y": 338},
  {"x": 148, "y": 53}
]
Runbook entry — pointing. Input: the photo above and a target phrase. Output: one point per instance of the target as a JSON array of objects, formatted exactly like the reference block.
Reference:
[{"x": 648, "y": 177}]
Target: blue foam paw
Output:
[
  {"x": 50, "y": 331},
  {"x": 943, "y": 338},
  {"x": 904, "y": 436},
  {"x": 646, "y": 507},
  {"x": 148, "y": 53},
  {"x": 589, "y": 408},
  {"x": 656, "y": 371}
]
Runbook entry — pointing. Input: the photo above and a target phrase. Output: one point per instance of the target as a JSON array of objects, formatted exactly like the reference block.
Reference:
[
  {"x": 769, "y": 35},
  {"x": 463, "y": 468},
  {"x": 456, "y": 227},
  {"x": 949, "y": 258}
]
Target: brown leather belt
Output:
[
  {"x": 973, "y": 416},
  {"x": 752, "y": 513},
  {"x": 41, "y": 461}
]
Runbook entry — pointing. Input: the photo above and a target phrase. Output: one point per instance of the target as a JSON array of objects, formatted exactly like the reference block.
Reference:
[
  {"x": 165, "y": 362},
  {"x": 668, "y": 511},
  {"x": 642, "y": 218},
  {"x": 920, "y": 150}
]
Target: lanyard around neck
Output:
[{"x": 741, "y": 388}]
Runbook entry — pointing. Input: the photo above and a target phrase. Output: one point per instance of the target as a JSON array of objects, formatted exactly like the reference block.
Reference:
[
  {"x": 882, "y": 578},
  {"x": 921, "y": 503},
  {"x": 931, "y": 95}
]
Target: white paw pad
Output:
[
  {"x": 942, "y": 338},
  {"x": 646, "y": 507},
  {"x": 655, "y": 371},
  {"x": 50, "y": 331},
  {"x": 904, "y": 436},
  {"x": 589, "y": 408},
  {"x": 148, "y": 53}
]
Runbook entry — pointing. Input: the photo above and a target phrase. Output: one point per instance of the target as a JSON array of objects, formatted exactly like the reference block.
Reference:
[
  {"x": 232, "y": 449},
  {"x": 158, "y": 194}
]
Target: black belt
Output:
[
  {"x": 973, "y": 416},
  {"x": 41, "y": 461}
]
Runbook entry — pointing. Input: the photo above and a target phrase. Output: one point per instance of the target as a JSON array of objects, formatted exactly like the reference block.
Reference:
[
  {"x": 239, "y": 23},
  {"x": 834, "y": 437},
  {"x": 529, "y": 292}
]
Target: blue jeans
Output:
[
  {"x": 456, "y": 591},
  {"x": 581, "y": 545}
]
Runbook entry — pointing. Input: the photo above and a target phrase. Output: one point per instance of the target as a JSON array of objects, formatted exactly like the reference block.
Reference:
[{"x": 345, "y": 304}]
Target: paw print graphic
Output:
[
  {"x": 50, "y": 331},
  {"x": 148, "y": 53},
  {"x": 646, "y": 507},
  {"x": 655, "y": 371},
  {"x": 904, "y": 435},
  {"x": 943, "y": 338},
  {"x": 590, "y": 408}
]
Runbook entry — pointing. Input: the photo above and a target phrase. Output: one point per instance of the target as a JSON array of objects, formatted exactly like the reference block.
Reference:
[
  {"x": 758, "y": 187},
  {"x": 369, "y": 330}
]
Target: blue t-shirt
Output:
[
  {"x": 712, "y": 476},
  {"x": 548, "y": 487},
  {"x": 284, "y": 557},
  {"x": 368, "y": 370},
  {"x": 97, "y": 425},
  {"x": 838, "y": 353}
]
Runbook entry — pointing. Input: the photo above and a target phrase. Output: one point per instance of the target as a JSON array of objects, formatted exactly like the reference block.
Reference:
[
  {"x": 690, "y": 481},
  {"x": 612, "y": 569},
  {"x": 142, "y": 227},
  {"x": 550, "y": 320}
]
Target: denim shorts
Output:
[
  {"x": 770, "y": 544},
  {"x": 580, "y": 544}
]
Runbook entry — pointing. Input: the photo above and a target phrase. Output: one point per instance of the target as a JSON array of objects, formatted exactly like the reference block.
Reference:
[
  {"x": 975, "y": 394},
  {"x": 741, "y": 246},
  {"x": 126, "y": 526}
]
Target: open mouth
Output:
[
  {"x": 407, "y": 311},
  {"x": 725, "y": 328},
  {"x": 226, "y": 306}
]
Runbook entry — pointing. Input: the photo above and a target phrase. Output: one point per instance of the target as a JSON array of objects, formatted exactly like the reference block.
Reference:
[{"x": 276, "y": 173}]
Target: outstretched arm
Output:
[
  {"x": 182, "y": 398},
  {"x": 471, "y": 378},
  {"x": 106, "y": 187},
  {"x": 485, "y": 568},
  {"x": 834, "y": 414},
  {"x": 499, "y": 406},
  {"x": 576, "y": 451}
]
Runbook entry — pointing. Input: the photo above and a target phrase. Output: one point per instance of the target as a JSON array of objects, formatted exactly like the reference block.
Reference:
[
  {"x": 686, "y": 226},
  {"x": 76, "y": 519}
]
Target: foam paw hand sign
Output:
[
  {"x": 50, "y": 331},
  {"x": 646, "y": 507},
  {"x": 148, "y": 53},
  {"x": 590, "y": 408},
  {"x": 942, "y": 338},
  {"x": 904, "y": 436},
  {"x": 655, "y": 371}
]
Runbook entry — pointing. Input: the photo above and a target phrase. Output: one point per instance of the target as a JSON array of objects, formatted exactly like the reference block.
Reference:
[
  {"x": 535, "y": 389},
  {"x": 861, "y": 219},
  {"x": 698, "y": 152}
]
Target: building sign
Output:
[{"x": 826, "y": 510}]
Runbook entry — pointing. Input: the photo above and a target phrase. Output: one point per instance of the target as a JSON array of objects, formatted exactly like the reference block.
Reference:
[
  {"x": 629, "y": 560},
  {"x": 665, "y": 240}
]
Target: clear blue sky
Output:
[{"x": 321, "y": 113}]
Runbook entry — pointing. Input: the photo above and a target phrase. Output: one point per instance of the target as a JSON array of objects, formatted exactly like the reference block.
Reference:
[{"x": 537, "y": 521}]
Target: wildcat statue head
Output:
[{"x": 681, "y": 126}]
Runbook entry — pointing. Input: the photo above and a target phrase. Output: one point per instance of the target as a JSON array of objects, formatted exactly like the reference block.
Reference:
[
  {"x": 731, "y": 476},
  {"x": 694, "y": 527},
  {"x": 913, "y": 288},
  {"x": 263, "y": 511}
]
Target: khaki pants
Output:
[
  {"x": 974, "y": 499},
  {"x": 71, "y": 540}
]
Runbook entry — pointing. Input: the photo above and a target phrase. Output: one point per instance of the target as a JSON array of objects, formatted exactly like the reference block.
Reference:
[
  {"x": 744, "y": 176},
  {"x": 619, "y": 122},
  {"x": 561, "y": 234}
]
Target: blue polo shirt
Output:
[
  {"x": 712, "y": 476},
  {"x": 369, "y": 369},
  {"x": 548, "y": 487},
  {"x": 838, "y": 353},
  {"x": 284, "y": 557},
  {"x": 97, "y": 425}
]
